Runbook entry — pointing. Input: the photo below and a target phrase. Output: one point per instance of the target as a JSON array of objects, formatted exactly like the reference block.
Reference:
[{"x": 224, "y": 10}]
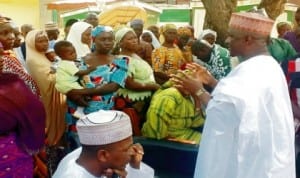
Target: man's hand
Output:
[
  {"x": 187, "y": 82},
  {"x": 137, "y": 155},
  {"x": 200, "y": 73}
]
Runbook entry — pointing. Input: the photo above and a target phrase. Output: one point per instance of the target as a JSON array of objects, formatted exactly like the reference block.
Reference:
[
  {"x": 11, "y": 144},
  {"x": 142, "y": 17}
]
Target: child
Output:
[{"x": 67, "y": 74}]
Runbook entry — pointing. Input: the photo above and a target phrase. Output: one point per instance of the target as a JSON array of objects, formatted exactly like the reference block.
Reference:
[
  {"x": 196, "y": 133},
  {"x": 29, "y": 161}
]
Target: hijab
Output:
[
  {"x": 54, "y": 102},
  {"x": 155, "y": 43},
  {"x": 74, "y": 37},
  {"x": 23, "y": 115}
]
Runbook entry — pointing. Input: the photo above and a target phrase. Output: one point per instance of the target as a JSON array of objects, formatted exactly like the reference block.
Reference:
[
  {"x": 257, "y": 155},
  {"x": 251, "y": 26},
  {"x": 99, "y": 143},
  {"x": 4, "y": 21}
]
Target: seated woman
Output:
[
  {"x": 140, "y": 80},
  {"x": 168, "y": 58},
  {"x": 185, "y": 41},
  {"x": 173, "y": 115}
]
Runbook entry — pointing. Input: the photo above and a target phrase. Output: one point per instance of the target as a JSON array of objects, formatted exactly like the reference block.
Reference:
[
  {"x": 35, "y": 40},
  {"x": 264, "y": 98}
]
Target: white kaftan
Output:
[{"x": 249, "y": 130}]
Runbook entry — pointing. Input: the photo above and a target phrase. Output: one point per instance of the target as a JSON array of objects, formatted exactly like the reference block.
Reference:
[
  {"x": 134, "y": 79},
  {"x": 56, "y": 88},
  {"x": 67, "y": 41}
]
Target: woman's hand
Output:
[
  {"x": 154, "y": 86},
  {"x": 77, "y": 98}
]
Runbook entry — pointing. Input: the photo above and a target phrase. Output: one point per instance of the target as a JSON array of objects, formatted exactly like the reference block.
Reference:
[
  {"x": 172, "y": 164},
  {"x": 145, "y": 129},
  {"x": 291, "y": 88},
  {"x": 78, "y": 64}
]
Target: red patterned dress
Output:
[{"x": 10, "y": 64}]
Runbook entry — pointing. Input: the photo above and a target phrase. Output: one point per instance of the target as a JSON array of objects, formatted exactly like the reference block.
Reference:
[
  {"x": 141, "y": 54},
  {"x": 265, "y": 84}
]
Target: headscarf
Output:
[
  {"x": 184, "y": 31},
  {"x": 97, "y": 31},
  {"x": 121, "y": 33},
  {"x": 155, "y": 43},
  {"x": 54, "y": 102},
  {"x": 25, "y": 114},
  {"x": 74, "y": 37},
  {"x": 206, "y": 32},
  {"x": 167, "y": 27}
]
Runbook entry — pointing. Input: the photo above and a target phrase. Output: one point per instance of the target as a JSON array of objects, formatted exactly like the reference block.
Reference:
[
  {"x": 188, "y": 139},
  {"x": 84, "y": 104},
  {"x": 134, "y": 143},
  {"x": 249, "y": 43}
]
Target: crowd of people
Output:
[{"x": 86, "y": 95}]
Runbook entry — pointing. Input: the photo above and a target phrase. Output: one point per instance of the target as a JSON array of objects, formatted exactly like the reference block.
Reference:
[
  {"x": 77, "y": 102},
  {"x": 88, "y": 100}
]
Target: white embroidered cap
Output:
[{"x": 103, "y": 127}]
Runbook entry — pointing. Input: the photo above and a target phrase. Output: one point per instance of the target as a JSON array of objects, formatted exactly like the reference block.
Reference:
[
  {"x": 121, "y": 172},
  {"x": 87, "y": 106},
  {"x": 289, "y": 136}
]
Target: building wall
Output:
[{"x": 21, "y": 11}]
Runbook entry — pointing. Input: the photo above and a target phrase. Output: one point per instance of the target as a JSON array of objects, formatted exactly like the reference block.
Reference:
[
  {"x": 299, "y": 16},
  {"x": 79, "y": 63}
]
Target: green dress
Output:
[
  {"x": 172, "y": 115},
  {"x": 141, "y": 72}
]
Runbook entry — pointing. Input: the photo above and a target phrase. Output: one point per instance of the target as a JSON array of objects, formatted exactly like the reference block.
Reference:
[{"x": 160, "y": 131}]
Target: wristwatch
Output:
[{"x": 200, "y": 92}]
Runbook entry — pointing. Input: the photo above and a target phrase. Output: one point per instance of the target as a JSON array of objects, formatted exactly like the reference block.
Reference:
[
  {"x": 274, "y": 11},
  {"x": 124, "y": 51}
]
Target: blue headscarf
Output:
[{"x": 97, "y": 31}]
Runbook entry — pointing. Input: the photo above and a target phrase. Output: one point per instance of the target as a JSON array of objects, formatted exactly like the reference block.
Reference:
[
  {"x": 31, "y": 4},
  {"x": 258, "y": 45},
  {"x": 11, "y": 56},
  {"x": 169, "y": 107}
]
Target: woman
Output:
[
  {"x": 22, "y": 126},
  {"x": 54, "y": 102},
  {"x": 168, "y": 58},
  {"x": 39, "y": 68},
  {"x": 80, "y": 36},
  {"x": 140, "y": 81},
  {"x": 109, "y": 76},
  {"x": 10, "y": 64},
  {"x": 149, "y": 37},
  {"x": 174, "y": 114},
  {"x": 208, "y": 35},
  {"x": 185, "y": 40}
]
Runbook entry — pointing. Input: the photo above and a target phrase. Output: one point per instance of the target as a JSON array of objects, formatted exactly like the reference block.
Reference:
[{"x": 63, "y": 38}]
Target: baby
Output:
[{"x": 67, "y": 74}]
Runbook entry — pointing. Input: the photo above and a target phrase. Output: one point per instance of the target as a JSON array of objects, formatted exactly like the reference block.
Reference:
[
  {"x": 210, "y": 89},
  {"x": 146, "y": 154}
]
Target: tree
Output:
[
  {"x": 217, "y": 16},
  {"x": 273, "y": 7},
  {"x": 218, "y": 13}
]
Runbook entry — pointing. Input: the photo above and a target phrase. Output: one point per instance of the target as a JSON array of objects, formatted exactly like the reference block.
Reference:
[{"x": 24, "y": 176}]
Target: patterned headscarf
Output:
[
  {"x": 97, "y": 31},
  {"x": 184, "y": 31},
  {"x": 167, "y": 27}
]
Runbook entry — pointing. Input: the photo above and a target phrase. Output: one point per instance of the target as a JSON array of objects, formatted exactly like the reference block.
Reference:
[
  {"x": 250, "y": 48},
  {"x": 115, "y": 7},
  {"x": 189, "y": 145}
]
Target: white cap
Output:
[{"x": 104, "y": 127}]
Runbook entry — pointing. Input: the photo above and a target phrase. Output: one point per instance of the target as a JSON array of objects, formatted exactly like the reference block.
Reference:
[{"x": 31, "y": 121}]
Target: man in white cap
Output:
[
  {"x": 249, "y": 129},
  {"x": 107, "y": 149}
]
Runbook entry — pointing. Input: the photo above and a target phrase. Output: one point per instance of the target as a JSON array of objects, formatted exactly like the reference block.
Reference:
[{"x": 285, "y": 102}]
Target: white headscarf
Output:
[
  {"x": 155, "y": 43},
  {"x": 206, "y": 32},
  {"x": 74, "y": 37},
  {"x": 121, "y": 33}
]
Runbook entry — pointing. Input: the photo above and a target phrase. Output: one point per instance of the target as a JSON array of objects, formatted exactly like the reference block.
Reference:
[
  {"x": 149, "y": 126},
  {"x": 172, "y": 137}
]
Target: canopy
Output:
[
  {"x": 297, "y": 2},
  {"x": 70, "y": 5},
  {"x": 122, "y": 15}
]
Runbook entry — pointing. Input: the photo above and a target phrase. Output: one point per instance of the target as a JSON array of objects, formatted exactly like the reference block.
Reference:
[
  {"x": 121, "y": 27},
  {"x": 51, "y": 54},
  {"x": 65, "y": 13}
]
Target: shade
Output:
[
  {"x": 297, "y": 2},
  {"x": 70, "y": 5},
  {"x": 122, "y": 15}
]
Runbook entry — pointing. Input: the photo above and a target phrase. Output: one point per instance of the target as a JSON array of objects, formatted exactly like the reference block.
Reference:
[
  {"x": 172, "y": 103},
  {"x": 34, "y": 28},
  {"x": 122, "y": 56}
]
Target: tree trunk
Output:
[
  {"x": 217, "y": 16},
  {"x": 273, "y": 7}
]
